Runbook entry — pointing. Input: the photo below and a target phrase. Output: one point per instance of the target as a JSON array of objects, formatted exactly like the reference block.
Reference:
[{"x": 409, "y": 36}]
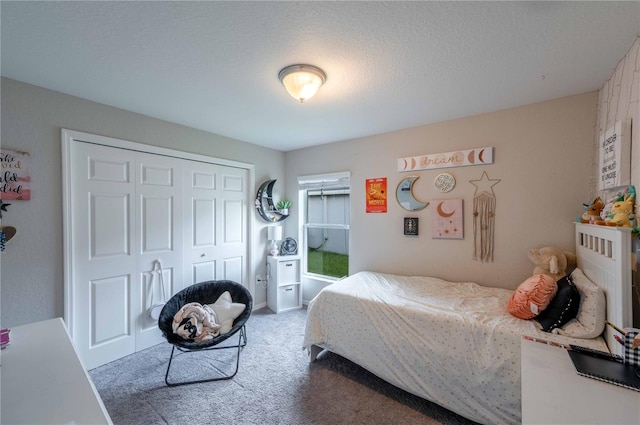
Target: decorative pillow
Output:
[
  {"x": 591, "y": 317},
  {"x": 226, "y": 311},
  {"x": 562, "y": 308},
  {"x": 532, "y": 296}
]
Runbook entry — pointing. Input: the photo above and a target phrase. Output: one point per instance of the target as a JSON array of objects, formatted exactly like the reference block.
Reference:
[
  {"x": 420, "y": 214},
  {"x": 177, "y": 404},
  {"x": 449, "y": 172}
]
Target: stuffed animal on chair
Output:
[{"x": 551, "y": 261}]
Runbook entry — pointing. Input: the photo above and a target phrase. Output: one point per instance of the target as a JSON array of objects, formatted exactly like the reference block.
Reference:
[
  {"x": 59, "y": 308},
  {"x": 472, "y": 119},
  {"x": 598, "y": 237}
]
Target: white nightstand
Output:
[
  {"x": 553, "y": 393},
  {"x": 284, "y": 290}
]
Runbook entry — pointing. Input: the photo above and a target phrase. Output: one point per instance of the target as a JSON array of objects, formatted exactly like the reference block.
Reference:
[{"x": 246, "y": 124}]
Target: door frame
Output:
[{"x": 69, "y": 137}]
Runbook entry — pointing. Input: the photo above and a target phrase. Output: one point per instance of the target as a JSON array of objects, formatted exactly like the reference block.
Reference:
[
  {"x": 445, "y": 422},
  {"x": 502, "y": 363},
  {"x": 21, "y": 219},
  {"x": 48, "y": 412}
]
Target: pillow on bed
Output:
[
  {"x": 532, "y": 296},
  {"x": 591, "y": 317},
  {"x": 562, "y": 308}
]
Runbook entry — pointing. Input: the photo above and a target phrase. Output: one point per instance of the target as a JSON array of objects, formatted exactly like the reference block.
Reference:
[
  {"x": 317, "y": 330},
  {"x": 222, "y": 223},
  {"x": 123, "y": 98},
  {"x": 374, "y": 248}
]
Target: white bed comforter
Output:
[{"x": 452, "y": 343}]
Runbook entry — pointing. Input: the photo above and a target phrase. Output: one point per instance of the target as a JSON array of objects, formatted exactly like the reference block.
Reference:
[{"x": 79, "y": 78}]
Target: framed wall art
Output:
[
  {"x": 376, "y": 195},
  {"x": 411, "y": 226},
  {"x": 447, "y": 219},
  {"x": 15, "y": 179},
  {"x": 615, "y": 156}
]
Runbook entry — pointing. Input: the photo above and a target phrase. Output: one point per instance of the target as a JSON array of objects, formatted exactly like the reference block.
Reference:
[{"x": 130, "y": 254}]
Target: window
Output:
[{"x": 325, "y": 224}]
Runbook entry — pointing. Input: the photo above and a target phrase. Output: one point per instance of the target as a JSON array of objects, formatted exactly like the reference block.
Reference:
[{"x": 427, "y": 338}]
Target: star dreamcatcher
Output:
[{"x": 484, "y": 215}]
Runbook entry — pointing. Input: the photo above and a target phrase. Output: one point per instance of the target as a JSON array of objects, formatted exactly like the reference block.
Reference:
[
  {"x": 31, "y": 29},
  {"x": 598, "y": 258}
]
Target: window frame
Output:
[{"x": 334, "y": 184}]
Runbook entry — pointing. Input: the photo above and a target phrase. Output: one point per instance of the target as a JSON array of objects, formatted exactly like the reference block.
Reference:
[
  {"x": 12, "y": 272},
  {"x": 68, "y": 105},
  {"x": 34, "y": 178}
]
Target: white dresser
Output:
[
  {"x": 43, "y": 381},
  {"x": 285, "y": 289}
]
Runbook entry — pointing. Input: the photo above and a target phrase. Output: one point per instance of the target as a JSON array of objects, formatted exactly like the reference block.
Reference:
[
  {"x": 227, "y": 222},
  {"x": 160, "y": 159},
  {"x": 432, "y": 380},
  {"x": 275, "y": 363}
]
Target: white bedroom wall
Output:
[
  {"x": 32, "y": 266},
  {"x": 542, "y": 157},
  {"x": 618, "y": 99}
]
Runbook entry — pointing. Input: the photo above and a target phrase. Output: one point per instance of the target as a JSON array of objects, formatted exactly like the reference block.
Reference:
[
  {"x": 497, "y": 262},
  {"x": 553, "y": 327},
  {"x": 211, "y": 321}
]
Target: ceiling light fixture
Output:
[{"x": 302, "y": 81}]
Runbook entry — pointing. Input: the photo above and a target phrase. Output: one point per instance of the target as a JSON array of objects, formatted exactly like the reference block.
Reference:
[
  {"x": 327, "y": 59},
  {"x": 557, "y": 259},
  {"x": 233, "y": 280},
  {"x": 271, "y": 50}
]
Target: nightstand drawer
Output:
[
  {"x": 284, "y": 291},
  {"x": 288, "y": 271},
  {"x": 289, "y": 296}
]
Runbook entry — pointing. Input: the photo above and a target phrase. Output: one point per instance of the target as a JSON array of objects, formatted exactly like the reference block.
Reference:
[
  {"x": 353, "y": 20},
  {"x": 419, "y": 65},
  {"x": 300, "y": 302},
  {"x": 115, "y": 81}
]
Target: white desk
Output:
[
  {"x": 553, "y": 393},
  {"x": 43, "y": 380}
]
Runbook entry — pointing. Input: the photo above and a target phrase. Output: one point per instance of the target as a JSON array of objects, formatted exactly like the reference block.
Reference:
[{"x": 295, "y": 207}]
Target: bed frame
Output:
[{"x": 604, "y": 255}]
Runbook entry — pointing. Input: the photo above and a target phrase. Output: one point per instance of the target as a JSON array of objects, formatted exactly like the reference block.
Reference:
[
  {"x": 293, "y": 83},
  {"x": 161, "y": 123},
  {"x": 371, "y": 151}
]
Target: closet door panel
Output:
[
  {"x": 110, "y": 225},
  {"x": 157, "y": 224},
  {"x": 204, "y": 223},
  {"x": 203, "y": 272},
  {"x": 234, "y": 268},
  {"x": 216, "y": 222},
  {"x": 159, "y": 212},
  {"x": 233, "y": 227},
  {"x": 110, "y": 313},
  {"x": 233, "y": 238},
  {"x": 102, "y": 249},
  {"x": 200, "y": 247}
]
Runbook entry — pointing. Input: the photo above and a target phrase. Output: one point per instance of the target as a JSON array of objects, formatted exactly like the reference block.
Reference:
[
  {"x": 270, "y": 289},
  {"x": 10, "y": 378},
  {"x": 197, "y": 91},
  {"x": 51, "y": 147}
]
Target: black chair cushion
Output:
[{"x": 204, "y": 293}]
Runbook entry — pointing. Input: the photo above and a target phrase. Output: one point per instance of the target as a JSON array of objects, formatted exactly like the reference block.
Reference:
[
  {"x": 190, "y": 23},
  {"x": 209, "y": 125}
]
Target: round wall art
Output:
[{"x": 444, "y": 182}]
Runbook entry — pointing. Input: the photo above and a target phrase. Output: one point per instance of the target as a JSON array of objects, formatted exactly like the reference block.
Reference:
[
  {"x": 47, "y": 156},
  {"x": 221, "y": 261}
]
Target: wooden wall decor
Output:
[{"x": 463, "y": 158}]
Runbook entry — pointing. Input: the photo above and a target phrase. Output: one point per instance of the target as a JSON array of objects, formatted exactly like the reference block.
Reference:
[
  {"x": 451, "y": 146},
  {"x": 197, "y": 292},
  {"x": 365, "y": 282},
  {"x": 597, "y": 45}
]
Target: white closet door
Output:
[
  {"x": 159, "y": 238},
  {"x": 125, "y": 210},
  {"x": 105, "y": 281},
  {"x": 215, "y": 238}
]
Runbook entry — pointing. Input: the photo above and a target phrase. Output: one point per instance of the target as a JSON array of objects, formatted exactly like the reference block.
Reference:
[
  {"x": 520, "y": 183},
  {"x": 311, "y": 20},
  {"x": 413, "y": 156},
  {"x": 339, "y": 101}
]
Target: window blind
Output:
[{"x": 335, "y": 181}]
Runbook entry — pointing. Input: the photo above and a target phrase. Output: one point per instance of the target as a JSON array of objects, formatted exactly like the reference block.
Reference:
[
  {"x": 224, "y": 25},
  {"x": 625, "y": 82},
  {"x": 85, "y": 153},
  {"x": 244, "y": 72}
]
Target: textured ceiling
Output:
[{"x": 389, "y": 65}]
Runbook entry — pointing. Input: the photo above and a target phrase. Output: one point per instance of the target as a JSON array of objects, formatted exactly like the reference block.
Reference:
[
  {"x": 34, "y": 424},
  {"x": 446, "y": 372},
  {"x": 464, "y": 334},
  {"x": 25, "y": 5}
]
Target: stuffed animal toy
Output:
[
  {"x": 621, "y": 212},
  {"x": 592, "y": 214},
  {"x": 625, "y": 200},
  {"x": 551, "y": 261}
]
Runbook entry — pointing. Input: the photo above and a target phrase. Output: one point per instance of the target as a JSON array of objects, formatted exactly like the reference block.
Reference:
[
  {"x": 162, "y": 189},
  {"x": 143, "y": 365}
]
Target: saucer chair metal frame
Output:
[{"x": 205, "y": 293}]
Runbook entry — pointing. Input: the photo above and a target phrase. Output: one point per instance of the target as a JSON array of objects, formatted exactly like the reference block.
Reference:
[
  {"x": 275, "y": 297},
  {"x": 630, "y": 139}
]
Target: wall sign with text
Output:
[
  {"x": 463, "y": 158},
  {"x": 614, "y": 151},
  {"x": 15, "y": 180},
  {"x": 376, "y": 195}
]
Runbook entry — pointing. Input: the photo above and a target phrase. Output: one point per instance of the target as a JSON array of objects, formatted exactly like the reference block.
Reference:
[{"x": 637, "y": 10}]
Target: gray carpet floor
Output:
[{"x": 275, "y": 384}]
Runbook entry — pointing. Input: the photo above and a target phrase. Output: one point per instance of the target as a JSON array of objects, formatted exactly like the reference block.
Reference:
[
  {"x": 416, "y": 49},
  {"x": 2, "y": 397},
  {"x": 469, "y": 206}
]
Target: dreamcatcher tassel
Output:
[
  {"x": 484, "y": 211},
  {"x": 484, "y": 207}
]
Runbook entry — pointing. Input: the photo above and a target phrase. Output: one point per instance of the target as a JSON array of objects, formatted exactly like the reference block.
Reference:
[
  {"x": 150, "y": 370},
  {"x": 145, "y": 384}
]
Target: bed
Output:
[{"x": 455, "y": 344}]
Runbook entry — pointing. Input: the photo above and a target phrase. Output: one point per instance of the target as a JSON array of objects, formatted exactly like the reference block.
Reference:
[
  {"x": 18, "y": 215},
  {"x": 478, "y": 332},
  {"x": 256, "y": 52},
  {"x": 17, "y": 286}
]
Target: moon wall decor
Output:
[
  {"x": 447, "y": 219},
  {"x": 268, "y": 212},
  {"x": 405, "y": 196},
  {"x": 444, "y": 214}
]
